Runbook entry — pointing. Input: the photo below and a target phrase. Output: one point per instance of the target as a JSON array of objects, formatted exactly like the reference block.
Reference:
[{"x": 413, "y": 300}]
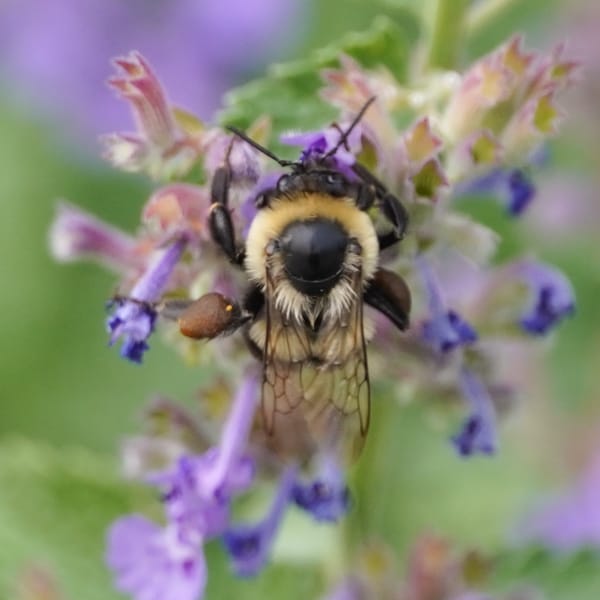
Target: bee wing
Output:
[{"x": 315, "y": 391}]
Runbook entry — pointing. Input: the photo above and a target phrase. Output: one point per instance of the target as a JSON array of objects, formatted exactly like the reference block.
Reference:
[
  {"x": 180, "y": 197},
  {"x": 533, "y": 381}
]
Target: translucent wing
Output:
[{"x": 315, "y": 391}]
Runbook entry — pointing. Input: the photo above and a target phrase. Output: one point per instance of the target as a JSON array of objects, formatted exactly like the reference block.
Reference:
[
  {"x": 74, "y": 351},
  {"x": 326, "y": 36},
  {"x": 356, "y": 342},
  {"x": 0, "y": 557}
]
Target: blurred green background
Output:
[{"x": 66, "y": 401}]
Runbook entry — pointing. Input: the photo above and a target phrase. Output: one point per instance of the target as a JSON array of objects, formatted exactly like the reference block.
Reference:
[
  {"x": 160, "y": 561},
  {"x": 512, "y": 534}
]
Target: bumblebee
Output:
[{"x": 311, "y": 256}]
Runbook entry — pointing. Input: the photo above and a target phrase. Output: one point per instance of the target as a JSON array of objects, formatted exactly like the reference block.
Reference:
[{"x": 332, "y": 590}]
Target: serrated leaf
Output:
[{"x": 289, "y": 92}]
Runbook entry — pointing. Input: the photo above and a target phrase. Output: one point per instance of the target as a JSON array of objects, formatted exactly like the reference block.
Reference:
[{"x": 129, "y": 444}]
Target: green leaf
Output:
[
  {"x": 54, "y": 510},
  {"x": 289, "y": 91},
  {"x": 561, "y": 577}
]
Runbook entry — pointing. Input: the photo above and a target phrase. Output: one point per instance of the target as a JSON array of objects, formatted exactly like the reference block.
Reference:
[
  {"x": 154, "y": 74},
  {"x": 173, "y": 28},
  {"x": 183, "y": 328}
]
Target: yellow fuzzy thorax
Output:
[
  {"x": 271, "y": 221},
  {"x": 268, "y": 225}
]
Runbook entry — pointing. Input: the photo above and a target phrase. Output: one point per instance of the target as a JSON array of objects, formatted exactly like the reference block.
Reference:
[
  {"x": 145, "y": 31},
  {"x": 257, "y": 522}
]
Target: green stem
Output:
[
  {"x": 486, "y": 12},
  {"x": 447, "y": 37}
]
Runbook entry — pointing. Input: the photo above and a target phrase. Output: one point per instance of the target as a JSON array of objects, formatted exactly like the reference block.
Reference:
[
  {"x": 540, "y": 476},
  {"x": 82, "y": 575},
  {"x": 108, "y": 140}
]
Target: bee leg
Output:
[
  {"x": 389, "y": 294},
  {"x": 253, "y": 303},
  {"x": 207, "y": 317},
  {"x": 219, "y": 219},
  {"x": 397, "y": 215},
  {"x": 391, "y": 207}
]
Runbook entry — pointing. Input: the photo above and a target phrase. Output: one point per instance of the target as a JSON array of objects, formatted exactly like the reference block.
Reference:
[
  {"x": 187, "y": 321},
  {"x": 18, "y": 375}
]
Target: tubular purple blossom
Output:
[
  {"x": 327, "y": 497},
  {"x": 139, "y": 85},
  {"x": 185, "y": 507},
  {"x": 152, "y": 562},
  {"x": 478, "y": 434},
  {"x": 76, "y": 234},
  {"x": 513, "y": 188},
  {"x": 250, "y": 545},
  {"x": 316, "y": 144},
  {"x": 134, "y": 318},
  {"x": 551, "y": 296},
  {"x": 445, "y": 329},
  {"x": 218, "y": 480}
]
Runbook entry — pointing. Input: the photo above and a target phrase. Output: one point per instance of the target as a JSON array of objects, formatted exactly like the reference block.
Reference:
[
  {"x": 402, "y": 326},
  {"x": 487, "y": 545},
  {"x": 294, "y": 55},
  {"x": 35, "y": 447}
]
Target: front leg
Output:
[
  {"x": 219, "y": 218},
  {"x": 389, "y": 294},
  {"x": 392, "y": 208}
]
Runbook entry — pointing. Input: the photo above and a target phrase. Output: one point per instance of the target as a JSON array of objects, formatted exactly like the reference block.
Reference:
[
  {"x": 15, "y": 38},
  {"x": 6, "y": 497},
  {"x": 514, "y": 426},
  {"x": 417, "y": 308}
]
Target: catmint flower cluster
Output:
[{"x": 477, "y": 130}]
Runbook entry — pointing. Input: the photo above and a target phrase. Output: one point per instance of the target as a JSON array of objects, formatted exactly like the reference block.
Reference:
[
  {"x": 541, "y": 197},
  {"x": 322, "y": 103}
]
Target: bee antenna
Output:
[
  {"x": 257, "y": 146},
  {"x": 344, "y": 137}
]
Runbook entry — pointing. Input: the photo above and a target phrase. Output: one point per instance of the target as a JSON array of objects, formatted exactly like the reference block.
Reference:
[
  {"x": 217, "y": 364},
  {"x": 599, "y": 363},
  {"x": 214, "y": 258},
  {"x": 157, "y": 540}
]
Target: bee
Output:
[{"x": 311, "y": 256}]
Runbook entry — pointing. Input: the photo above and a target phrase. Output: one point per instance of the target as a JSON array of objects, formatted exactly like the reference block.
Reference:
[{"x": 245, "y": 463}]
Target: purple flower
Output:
[
  {"x": 512, "y": 187},
  {"x": 59, "y": 52},
  {"x": 230, "y": 471},
  {"x": 315, "y": 144},
  {"x": 198, "y": 490},
  {"x": 570, "y": 521},
  {"x": 134, "y": 318},
  {"x": 327, "y": 497},
  {"x": 151, "y": 562},
  {"x": 478, "y": 433},
  {"x": 76, "y": 234},
  {"x": 185, "y": 505},
  {"x": 551, "y": 297},
  {"x": 445, "y": 329},
  {"x": 167, "y": 563},
  {"x": 249, "y": 545},
  {"x": 139, "y": 85}
]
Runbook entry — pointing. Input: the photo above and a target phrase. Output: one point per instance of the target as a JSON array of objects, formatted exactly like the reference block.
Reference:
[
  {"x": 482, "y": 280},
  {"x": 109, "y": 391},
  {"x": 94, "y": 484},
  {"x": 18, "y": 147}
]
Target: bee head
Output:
[{"x": 313, "y": 253}]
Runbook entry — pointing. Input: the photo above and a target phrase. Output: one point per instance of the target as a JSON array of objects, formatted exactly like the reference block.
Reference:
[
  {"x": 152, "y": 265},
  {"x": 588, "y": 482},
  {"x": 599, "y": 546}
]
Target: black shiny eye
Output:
[
  {"x": 313, "y": 252},
  {"x": 283, "y": 183},
  {"x": 334, "y": 184}
]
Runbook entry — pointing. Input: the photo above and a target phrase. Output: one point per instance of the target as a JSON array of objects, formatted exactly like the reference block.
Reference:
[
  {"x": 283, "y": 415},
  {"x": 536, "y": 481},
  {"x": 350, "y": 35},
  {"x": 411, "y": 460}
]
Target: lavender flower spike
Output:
[
  {"x": 150, "y": 562},
  {"x": 230, "y": 470},
  {"x": 327, "y": 497},
  {"x": 551, "y": 297},
  {"x": 478, "y": 433},
  {"x": 134, "y": 319},
  {"x": 249, "y": 545},
  {"x": 445, "y": 329},
  {"x": 76, "y": 234}
]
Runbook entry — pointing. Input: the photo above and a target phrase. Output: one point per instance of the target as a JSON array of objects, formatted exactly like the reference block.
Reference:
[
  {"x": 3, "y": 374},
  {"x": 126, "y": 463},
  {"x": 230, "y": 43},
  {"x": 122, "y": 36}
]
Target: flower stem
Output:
[
  {"x": 484, "y": 13},
  {"x": 447, "y": 33}
]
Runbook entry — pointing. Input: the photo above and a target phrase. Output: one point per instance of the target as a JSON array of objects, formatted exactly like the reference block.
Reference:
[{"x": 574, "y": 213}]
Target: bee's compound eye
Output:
[
  {"x": 334, "y": 183},
  {"x": 284, "y": 183}
]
